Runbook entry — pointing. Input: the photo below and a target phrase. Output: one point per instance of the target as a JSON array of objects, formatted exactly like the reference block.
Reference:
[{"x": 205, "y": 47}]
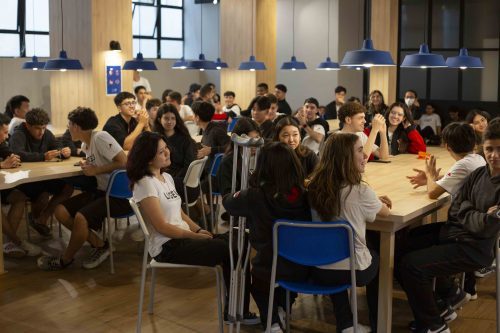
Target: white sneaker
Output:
[
  {"x": 361, "y": 329},
  {"x": 275, "y": 328},
  {"x": 12, "y": 250},
  {"x": 31, "y": 249},
  {"x": 137, "y": 235}
]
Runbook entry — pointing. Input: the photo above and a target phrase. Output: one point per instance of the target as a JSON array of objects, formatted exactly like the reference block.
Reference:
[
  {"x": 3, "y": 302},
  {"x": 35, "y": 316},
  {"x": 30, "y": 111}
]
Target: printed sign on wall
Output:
[{"x": 113, "y": 80}]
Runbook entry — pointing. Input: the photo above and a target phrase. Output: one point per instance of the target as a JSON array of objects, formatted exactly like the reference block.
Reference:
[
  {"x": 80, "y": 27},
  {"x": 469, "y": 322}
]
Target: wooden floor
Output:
[{"x": 80, "y": 300}]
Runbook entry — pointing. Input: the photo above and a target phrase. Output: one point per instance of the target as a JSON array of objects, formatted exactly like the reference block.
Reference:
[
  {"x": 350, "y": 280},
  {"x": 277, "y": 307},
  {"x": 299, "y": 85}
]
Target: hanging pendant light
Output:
[
  {"x": 328, "y": 64},
  {"x": 180, "y": 64},
  {"x": 201, "y": 64},
  {"x": 252, "y": 64},
  {"x": 139, "y": 63},
  {"x": 464, "y": 60},
  {"x": 34, "y": 64},
  {"x": 63, "y": 63},
  {"x": 293, "y": 64}
]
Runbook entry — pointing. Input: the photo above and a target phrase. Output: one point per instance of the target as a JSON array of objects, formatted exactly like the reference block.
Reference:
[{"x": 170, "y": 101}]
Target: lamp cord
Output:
[
  {"x": 328, "y": 33},
  {"x": 293, "y": 28},
  {"x": 201, "y": 27},
  {"x": 62, "y": 26},
  {"x": 253, "y": 25}
]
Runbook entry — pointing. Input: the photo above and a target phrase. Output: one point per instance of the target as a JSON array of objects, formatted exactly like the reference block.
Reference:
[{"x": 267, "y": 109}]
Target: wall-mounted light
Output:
[{"x": 115, "y": 46}]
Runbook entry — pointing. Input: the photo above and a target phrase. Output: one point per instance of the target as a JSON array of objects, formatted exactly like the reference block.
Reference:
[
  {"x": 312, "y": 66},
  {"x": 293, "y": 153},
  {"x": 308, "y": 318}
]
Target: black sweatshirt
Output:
[
  {"x": 182, "y": 153},
  {"x": 30, "y": 149}
]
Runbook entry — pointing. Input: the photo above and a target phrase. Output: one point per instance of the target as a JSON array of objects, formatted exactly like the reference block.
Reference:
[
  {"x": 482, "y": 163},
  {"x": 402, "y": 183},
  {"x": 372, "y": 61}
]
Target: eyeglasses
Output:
[
  {"x": 129, "y": 103},
  {"x": 394, "y": 113}
]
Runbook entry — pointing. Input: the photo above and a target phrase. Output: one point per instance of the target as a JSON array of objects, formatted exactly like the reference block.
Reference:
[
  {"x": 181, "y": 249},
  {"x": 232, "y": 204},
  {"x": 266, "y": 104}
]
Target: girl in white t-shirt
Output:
[
  {"x": 336, "y": 191},
  {"x": 175, "y": 238}
]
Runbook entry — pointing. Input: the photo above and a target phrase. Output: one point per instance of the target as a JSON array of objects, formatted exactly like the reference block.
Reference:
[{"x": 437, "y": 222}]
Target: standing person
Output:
[
  {"x": 333, "y": 107},
  {"x": 402, "y": 135},
  {"x": 288, "y": 131},
  {"x": 141, "y": 81},
  {"x": 280, "y": 91},
  {"x": 314, "y": 128},
  {"x": 84, "y": 213},
  {"x": 126, "y": 125},
  {"x": 260, "y": 113},
  {"x": 274, "y": 193},
  {"x": 336, "y": 191},
  {"x": 430, "y": 124},
  {"x": 465, "y": 242},
  {"x": 16, "y": 108},
  {"x": 375, "y": 105},
  {"x": 142, "y": 98}
]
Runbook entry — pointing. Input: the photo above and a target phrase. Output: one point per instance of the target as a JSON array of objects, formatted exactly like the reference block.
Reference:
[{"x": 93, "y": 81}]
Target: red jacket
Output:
[{"x": 415, "y": 142}]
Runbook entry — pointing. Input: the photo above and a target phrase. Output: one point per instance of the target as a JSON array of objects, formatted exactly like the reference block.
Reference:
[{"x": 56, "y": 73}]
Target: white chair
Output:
[
  {"x": 153, "y": 264},
  {"x": 192, "y": 179}
]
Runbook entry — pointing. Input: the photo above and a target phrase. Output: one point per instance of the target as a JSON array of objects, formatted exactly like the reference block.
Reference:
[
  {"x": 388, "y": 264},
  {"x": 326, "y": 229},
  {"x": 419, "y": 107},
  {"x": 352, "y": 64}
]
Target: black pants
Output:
[
  {"x": 426, "y": 258},
  {"x": 204, "y": 252},
  {"x": 289, "y": 271}
]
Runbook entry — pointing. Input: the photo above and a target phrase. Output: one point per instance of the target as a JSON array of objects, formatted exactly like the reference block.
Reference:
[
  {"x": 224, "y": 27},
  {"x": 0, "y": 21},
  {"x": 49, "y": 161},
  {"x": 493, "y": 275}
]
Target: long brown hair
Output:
[{"x": 336, "y": 170}]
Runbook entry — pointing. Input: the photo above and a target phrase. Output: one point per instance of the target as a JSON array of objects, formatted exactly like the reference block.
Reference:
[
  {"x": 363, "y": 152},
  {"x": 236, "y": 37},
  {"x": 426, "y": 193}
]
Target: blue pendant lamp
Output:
[
  {"x": 139, "y": 63},
  {"x": 219, "y": 64},
  {"x": 293, "y": 64},
  {"x": 201, "y": 64},
  {"x": 252, "y": 64},
  {"x": 34, "y": 64},
  {"x": 180, "y": 64},
  {"x": 367, "y": 57},
  {"x": 328, "y": 64},
  {"x": 423, "y": 59},
  {"x": 464, "y": 61},
  {"x": 63, "y": 63}
]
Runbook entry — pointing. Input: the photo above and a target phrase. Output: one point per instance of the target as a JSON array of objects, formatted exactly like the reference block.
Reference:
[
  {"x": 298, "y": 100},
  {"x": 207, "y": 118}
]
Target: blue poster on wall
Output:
[{"x": 113, "y": 80}]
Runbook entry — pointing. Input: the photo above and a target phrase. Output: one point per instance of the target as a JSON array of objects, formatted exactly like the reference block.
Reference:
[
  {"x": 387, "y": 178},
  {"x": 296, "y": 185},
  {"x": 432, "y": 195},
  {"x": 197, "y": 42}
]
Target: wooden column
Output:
[
  {"x": 89, "y": 26},
  {"x": 236, "y": 45},
  {"x": 384, "y": 33}
]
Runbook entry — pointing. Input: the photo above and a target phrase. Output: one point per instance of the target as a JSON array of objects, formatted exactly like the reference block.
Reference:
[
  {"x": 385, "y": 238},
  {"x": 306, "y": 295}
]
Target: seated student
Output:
[
  {"x": 164, "y": 96},
  {"x": 454, "y": 114},
  {"x": 430, "y": 124},
  {"x": 152, "y": 106},
  {"x": 260, "y": 112},
  {"x": 314, "y": 129},
  {"x": 262, "y": 89},
  {"x": 402, "y": 135},
  {"x": 169, "y": 123},
  {"x": 175, "y": 237},
  {"x": 352, "y": 115},
  {"x": 375, "y": 105},
  {"x": 83, "y": 214},
  {"x": 273, "y": 110},
  {"x": 192, "y": 95},
  {"x": 127, "y": 124},
  {"x": 336, "y": 191},
  {"x": 288, "y": 131},
  {"x": 33, "y": 142},
  {"x": 13, "y": 246},
  {"x": 479, "y": 120},
  {"x": 411, "y": 100},
  {"x": 463, "y": 243},
  {"x": 142, "y": 98},
  {"x": 16, "y": 109},
  {"x": 229, "y": 105},
  {"x": 74, "y": 146},
  {"x": 185, "y": 111},
  {"x": 274, "y": 193},
  {"x": 333, "y": 107}
]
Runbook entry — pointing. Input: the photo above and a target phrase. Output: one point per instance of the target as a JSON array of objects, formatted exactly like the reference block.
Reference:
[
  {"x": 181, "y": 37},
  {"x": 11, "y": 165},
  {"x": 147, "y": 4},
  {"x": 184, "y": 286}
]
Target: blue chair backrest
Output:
[
  {"x": 216, "y": 164},
  {"x": 313, "y": 243},
  {"x": 231, "y": 125},
  {"x": 118, "y": 186}
]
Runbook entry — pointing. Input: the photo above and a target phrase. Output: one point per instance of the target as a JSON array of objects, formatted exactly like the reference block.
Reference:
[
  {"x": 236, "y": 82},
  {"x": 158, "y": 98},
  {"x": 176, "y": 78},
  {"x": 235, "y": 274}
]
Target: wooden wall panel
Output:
[{"x": 266, "y": 40}]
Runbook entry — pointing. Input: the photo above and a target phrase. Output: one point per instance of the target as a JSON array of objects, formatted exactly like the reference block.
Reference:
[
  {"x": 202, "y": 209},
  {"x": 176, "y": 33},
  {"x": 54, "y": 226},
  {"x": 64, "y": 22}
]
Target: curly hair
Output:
[
  {"x": 84, "y": 117},
  {"x": 37, "y": 117}
]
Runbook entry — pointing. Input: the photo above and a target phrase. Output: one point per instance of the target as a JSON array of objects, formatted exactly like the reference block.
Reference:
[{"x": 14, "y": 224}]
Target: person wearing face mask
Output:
[{"x": 411, "y": 100}]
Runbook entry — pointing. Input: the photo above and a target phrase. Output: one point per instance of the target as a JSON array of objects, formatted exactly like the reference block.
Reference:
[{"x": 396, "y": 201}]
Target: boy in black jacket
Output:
[
  {"x": 464, "y": 243},
  {"x": 33, "y": 142}
]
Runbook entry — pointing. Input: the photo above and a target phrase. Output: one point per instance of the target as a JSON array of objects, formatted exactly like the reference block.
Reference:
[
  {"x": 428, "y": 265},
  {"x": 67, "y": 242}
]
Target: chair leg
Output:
[
  {"x": 27, "y": 210},
  {"x": 141, "y": 298},
  {"x": 110, "y": 243},
  {"x": 203, "y": 210},
  {"x": 354, "y": 308},
  {"x": 219, "y": 298},
  {"x": 288, "y": 312},
  {"x": 152, "y": 290},
  {"x": 270, "y": 308}
]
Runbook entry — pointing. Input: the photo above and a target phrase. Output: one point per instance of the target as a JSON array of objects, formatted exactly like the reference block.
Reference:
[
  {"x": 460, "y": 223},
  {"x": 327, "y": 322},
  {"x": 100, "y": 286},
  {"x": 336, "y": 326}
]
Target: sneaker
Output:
[
  {"x": 459, "y": 299},
  {"x": 13, "y": 251},
  {"x": 438, "y": 329},
  {"x": 251, "y": 318},
  {"x": 96, "y": 256},
  {"x": 42, "y": 229},
  {"x": 49, "y": 263},
  {"x": 282, "y": 316},
  {"x": 137, "y": 235},
  {"x": 31, "y": 250},
  {"x": 361, "y": 329},
  {"x": 275, "y": 328},
  {"x": 447, "y": 313},
  {"x": 481, "y": 273}
]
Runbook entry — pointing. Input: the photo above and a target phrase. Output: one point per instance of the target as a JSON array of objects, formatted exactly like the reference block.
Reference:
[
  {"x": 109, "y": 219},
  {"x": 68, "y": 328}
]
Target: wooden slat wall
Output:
[{"x": 266, "y": 26}]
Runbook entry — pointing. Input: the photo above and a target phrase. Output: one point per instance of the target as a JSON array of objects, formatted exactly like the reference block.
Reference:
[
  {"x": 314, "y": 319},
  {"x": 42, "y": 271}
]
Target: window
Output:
[
  {"x": 450, "y": 25},
  {"x": 22, "y": 32},
  {"x": 158, "y": 28}
]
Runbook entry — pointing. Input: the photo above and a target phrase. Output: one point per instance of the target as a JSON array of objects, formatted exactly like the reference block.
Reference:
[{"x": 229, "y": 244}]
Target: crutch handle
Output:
[{"x": 246, "y": 141}]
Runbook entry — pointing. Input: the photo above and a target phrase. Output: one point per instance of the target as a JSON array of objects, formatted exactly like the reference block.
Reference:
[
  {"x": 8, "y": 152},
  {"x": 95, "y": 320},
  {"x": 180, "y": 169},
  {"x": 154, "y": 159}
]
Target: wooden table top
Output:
[{"x": 390, "y": 179}]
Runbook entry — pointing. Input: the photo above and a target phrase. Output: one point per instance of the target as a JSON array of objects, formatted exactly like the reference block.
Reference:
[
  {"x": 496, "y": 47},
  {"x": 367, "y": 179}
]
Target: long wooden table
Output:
[
  {"x": 34, "y": 172},
  {"x": 409, "y": 206}
]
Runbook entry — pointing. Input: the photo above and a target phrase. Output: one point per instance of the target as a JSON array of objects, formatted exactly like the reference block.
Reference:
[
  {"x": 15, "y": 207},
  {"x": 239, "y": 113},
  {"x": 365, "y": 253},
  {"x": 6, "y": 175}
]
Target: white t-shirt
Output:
[
  {"x": 310, "y": 142},
  {"x": 103, "y": 148},
  {"x": 235, "y": 108},
  {"x": 364, "y": 139},
  {"x": 359, "y": 206},
  {"x": 184, "y": 112},
  {"x": 454, "y": 178},
  {"x": 430, "y": 120},
  {"x": 170, "y": 203},
  {"x": 142, "y": 82},
  {"x": 14, "y": 122}
]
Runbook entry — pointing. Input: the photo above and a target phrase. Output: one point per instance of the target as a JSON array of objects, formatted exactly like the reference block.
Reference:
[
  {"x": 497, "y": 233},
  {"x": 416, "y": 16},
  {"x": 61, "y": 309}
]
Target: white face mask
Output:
[{"x": 409, "y": 101}]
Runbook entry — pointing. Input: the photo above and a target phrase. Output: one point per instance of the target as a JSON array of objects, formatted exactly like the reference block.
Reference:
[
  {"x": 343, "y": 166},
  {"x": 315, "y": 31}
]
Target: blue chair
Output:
[
  {"x": 118, "y": 187},
  {"x": 312, "y": 244},
  {"x": 214, "y": 195},
  {"x": 231, "y": 125}
]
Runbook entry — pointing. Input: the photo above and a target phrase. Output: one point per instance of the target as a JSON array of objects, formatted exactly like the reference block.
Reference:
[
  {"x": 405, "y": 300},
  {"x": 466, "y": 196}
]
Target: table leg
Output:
[
  {"x": 2, "y": 271},
  {"x": 386, "y": 269}
]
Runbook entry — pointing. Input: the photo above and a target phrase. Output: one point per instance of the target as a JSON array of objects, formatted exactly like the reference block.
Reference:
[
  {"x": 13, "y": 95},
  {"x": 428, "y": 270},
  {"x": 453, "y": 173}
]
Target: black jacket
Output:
[
  {"x": 284, "y": 107},
  {"x": 182, "y": 153},
  {"x": 4, "y": 150},
  {"x": 73, "y": 145},
  {"x": 119, "y": 129},
  {"x": 267, "y": 130},
  {"x": 467, "y": 218},
  {"x": 29, "y": 149},
  {"x": 308, "y": 161},
  {"x": 262, "y": 209},
  {"x": 215, "y": 136},
  {"x": 331, "y": 110}
]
